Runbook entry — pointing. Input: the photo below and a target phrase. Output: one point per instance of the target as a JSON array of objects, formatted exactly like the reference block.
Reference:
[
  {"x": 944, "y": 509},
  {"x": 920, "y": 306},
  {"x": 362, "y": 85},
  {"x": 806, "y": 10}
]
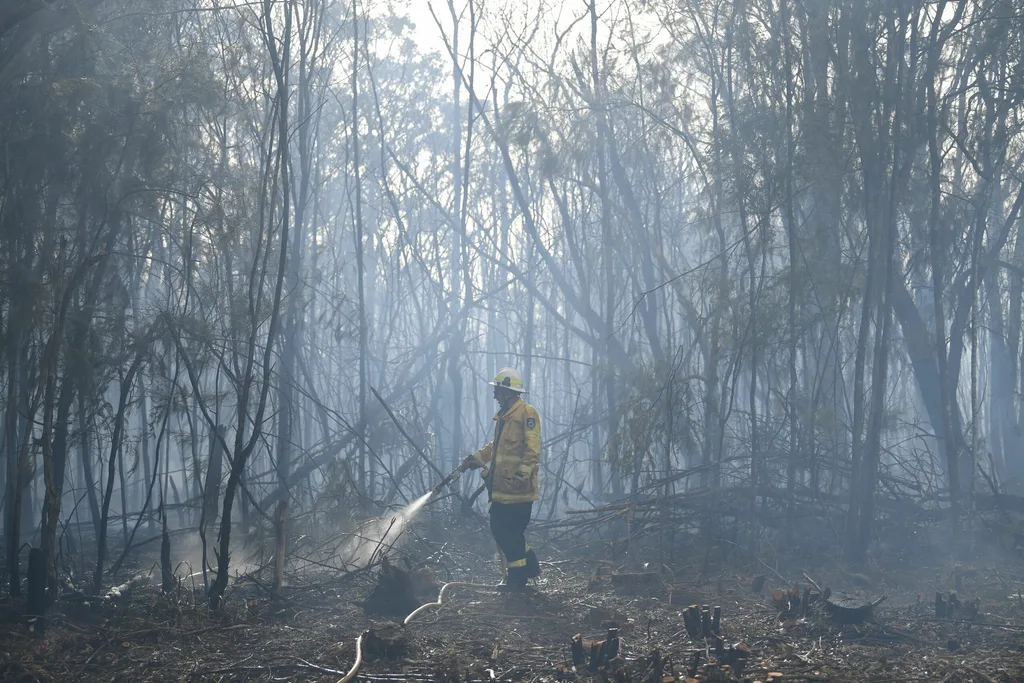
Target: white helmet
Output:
[{"x": 509, "y": 378}]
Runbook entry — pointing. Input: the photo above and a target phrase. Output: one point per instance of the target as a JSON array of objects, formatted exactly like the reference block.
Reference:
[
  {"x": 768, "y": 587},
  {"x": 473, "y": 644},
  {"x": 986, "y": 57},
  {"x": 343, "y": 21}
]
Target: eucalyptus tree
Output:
[
  {"x": 96, "y": 152},
  {"x": 309, "y": 78}
]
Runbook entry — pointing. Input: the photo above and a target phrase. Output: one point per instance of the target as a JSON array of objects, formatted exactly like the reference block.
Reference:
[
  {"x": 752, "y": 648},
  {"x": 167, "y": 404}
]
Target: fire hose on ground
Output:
[
  {"x": 448, "y": 480},
  {"x": 405, "y": 622},
  {"x": 358, "y": 663}
]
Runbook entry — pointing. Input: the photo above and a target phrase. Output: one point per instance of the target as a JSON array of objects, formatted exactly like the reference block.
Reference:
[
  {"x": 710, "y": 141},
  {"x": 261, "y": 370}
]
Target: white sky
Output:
[
  {"x": 627, "y": 16},
  {"x": 492, "y": 15},
  {"x": 426, "y": 33}
]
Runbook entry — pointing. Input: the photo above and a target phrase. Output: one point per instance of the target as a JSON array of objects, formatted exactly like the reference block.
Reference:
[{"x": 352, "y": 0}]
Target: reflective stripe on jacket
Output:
[{"x": 515, "y": 452}]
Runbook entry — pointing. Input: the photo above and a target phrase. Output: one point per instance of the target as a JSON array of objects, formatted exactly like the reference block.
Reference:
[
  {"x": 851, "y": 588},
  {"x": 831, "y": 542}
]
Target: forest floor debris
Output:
[{"x": 628, "y": 630}]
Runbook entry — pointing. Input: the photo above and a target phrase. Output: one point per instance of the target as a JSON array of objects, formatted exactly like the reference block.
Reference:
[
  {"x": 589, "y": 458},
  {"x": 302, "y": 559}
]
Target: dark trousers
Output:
[{"x": 508, "y": 526}]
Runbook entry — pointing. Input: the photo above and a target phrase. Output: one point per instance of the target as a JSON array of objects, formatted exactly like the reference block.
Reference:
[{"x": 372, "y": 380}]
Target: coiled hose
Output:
[{"x": 405, "y": 622}]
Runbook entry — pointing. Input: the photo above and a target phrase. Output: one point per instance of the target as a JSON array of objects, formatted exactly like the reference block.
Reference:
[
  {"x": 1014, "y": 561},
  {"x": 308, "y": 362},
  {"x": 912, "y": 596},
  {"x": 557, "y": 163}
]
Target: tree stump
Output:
[
  {"x": 851, "y": 610},
  {"x": 385, "y": 642},
  {"x": 36, "y": 604},
  {"x": 398, "y": 592},
  {"x": 167, "y": 580},
  {"x": 280, "y": 545}
]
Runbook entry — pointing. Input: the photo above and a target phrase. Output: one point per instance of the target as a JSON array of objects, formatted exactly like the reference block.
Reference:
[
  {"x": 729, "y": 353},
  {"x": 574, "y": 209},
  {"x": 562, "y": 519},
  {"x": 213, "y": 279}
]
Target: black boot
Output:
[
  {"x": 532, "y": 565},
  {"x": 516, "y": 581}
]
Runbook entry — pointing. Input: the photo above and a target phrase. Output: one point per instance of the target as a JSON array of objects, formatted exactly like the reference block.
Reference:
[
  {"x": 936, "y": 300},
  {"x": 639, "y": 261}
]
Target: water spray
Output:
[
  {"x": 402, "y": 518},
  {"x": 370, "y": 538}
]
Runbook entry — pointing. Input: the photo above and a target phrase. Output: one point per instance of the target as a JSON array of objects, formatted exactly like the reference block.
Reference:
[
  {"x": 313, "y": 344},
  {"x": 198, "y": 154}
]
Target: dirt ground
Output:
[{"x": 309, "y": 632}]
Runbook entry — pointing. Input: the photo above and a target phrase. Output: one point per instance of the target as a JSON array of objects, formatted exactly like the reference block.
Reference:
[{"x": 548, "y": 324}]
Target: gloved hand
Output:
[
  {"x": 467, "y": 464},
  {"x": 520, "y": 481}
]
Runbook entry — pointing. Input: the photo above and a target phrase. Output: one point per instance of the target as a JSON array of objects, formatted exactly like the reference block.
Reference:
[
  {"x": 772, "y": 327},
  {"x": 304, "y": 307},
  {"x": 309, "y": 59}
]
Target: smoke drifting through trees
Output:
[{"x": 768, "y": 245}]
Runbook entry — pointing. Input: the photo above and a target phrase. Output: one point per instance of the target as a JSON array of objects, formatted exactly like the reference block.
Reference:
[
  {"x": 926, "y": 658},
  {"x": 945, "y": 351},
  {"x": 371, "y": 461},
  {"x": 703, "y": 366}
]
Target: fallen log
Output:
[{"x": 125, "y": 589}]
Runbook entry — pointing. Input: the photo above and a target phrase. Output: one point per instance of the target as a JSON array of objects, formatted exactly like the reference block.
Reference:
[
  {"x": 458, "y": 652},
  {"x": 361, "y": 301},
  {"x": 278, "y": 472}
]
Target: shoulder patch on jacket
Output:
[{"x": 531, "y": 423}]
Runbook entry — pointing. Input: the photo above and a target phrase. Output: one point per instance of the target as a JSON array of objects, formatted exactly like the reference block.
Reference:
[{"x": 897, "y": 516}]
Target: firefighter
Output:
[{"x": 511, "y": 462}]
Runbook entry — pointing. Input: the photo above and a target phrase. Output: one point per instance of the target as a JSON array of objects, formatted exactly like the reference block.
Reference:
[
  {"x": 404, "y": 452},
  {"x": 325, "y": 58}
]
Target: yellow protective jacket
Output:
[{"x": 512, "y": 458}]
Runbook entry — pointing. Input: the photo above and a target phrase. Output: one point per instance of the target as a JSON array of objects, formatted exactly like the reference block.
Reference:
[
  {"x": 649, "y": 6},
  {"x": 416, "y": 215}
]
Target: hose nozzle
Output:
[{"x": 447, "y": 481}]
